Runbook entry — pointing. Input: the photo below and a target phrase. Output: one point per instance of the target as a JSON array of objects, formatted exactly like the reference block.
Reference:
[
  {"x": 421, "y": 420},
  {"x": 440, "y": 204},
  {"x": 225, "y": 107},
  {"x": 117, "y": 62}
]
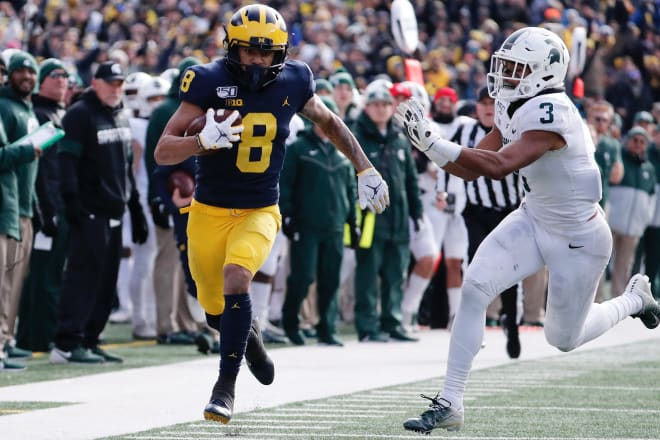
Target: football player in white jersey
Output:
[{"x": 539, "y": 133}]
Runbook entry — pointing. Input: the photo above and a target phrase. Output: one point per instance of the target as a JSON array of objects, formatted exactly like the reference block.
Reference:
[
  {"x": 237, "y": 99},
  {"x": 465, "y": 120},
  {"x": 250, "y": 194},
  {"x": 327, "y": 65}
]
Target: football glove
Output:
[
  {"x": 139, "y": 225},
  {"x": 424, "y": 135},
  {"x": 373, "y": 192},
  {"x": 216, "y": 135}
]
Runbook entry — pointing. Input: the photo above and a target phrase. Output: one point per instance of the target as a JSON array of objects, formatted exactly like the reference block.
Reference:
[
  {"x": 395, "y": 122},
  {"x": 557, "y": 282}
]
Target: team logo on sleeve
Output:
[{"x": 227, "y": 92}]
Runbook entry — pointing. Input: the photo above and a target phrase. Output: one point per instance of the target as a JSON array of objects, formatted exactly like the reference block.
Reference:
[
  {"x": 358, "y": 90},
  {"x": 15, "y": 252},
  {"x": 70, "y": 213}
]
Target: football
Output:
[
  {"x": 182, "y": 180},
  {"x": 197, "y": 124}
]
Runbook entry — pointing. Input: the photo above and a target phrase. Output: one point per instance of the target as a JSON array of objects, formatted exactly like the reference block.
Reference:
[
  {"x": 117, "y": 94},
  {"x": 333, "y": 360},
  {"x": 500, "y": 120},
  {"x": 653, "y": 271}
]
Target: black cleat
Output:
[
  {"x": 439, "y": 415},
  {"x": 221, "y": 405},
  {"x": 260, "y": 364},
  {"x": 512, "y": 337}
]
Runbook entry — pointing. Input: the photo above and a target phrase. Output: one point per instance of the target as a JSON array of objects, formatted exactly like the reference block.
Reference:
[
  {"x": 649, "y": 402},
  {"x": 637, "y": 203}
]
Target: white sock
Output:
[
  {"x": 466, "y": 337},
  {"x": 260, "y": 295},
  {"x": 607, "y": 314},
  {"x": 454, "y": 297},
  {"x": 413, "y": 294}
]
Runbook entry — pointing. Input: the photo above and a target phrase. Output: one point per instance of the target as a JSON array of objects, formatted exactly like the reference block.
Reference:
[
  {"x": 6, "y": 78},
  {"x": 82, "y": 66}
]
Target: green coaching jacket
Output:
[
  {"x": 390, "y": 155},
  {"x": 317, "y": 185},
  {"x": 11, "y": 157},
  {"x": 632, "y": 201},
  {"x": 19, "y": 119}
]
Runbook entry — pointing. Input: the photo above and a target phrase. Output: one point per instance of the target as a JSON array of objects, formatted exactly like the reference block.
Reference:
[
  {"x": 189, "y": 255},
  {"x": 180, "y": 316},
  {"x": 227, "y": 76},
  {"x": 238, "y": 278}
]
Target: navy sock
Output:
[
  {"x": 213, "y": 321},
  {"x": 234, "y": 330}
]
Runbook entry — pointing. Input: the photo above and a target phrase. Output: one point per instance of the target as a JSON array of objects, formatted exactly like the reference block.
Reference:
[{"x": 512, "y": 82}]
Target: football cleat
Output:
[
  {"x": 260, "y": 364},
  {"x": 439, "y": 415},
  {"x": 650, "y": 313},
  {"x": 221, "y": 405},
  {"x": 512, "y": 337}
]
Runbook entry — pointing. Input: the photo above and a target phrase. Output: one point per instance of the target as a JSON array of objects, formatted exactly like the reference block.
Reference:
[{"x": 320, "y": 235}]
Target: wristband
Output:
[
  {"x": 448, "y": 149},
  {"x": 199, "y": 143}
]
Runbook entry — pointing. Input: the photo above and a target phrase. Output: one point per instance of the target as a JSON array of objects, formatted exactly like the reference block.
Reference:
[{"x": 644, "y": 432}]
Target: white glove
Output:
[
  {"x": 424, "y": 134},
  {"x": 372, "y": 190},
  {"x": 217, "y": 135}
]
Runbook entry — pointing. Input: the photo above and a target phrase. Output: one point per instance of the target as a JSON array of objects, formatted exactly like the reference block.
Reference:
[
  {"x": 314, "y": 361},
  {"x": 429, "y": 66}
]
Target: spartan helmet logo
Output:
[{"x": 555, "y": 53}]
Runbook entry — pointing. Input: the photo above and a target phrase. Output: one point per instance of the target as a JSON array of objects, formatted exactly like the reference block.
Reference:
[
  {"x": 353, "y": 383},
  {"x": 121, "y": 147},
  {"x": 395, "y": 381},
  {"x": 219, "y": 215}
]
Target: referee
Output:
[{"x": 488, "y": 202}]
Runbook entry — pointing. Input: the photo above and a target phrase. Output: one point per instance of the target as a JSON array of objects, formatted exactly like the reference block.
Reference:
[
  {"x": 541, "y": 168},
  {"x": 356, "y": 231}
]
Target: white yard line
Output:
[{"x": 134, "y": 400}]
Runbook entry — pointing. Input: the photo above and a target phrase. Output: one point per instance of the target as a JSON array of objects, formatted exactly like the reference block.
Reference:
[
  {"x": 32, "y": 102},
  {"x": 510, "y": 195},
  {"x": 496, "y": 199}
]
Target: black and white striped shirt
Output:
[{"x": 484, "y": 192}]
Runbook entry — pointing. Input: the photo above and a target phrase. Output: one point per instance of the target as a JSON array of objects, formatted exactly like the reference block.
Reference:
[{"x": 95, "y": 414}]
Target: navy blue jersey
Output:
[{"x": 247, "y": 175}]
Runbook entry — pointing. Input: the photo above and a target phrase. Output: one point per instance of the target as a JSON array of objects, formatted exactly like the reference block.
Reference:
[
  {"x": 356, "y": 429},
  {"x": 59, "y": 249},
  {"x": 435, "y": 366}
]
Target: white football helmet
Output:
[
  {"x": 150, "y": 95},
  {"x": 170, "y": 74},
  {"x": 134, "y": 81},
  {"x": 530, "y": 60}
]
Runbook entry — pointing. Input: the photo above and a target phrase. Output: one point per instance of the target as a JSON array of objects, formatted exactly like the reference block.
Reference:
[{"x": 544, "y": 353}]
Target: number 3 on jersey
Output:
[
  {"x": 256, "y": 143},
  {"x": 549, "y": 115}
]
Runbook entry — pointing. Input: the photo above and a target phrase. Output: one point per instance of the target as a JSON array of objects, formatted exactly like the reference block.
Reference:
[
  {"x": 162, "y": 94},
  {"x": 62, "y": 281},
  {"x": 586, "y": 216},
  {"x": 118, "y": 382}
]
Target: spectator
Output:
[
  {"x": 18, "y": 118},
  {"x": 13, "y": 156},
  {"x": 344, "y": 95},
  {"x": 315, "y": 178},
  {"x": 423, "y": 245},
  {"x": 172, "y": 321},
  {"x": 41, "y": 292},
  {"x": 649, "y": 246},
  {"x": 97, "y": 184},
  {"x": 383, "y": 264},
  {"x": 632, "y": 205}
]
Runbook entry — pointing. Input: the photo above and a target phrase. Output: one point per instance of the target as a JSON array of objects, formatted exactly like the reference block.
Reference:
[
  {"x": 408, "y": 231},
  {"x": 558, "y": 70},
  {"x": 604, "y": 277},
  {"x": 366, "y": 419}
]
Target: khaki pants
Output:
[
  {"x": 17, "y": 272},
  {"x": 8, "y": 249},
  {"x": 172, "y": 313}
]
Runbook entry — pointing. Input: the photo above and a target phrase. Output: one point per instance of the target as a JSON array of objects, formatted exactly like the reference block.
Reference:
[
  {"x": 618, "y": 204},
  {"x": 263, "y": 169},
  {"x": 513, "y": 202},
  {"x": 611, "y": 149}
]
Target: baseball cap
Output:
[
  {"x": 110, "y": 71},
  {"x": 446, "y": 92},
  {"x": 483, "y": 94}
]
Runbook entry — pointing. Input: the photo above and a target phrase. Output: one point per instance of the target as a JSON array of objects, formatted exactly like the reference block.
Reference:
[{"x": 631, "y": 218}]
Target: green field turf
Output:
[{"x": 602, "y": 394}]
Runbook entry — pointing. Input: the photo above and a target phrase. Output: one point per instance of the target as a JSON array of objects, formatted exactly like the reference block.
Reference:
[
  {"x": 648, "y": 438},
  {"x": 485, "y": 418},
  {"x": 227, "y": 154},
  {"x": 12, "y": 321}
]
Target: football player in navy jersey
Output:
[
  {"x": 234, "y": 215},
  {"x": 559, "y": 225}
]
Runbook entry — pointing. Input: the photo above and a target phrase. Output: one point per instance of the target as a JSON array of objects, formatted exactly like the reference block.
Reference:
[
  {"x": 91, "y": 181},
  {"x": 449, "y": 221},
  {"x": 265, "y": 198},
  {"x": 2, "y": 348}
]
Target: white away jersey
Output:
[{"x": 562, "y": 187}]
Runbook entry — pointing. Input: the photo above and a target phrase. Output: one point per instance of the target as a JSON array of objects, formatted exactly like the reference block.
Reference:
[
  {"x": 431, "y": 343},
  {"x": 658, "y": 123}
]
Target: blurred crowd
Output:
[
  {"x": 622, "y": 61},
  {"x": 351, "y": 51}
]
